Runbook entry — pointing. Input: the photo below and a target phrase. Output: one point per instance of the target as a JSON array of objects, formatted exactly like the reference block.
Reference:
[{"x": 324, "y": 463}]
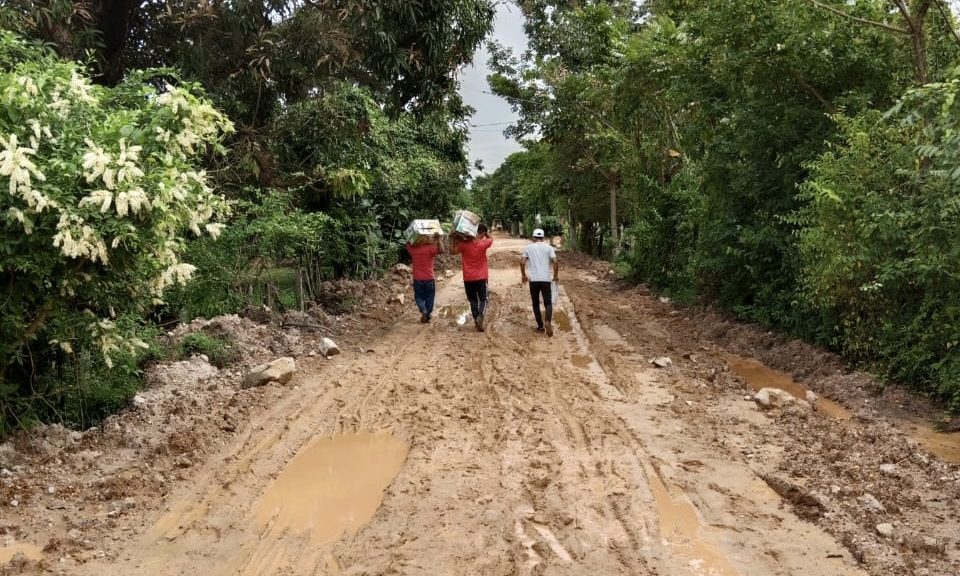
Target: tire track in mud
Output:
[
  {"x": 691, "y": 523},
  {"x": 520, "y": 460},
  {"x": 570, "y": 399},
  {"x": 196, "y": 522}
]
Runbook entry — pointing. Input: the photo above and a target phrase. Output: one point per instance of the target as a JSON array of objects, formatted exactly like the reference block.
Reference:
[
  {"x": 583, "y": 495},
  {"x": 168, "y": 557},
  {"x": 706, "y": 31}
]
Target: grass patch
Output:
[{"x": 221, "y": 349}]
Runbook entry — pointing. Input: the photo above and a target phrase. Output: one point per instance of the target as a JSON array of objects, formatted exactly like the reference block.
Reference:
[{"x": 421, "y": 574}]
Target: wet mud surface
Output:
[{"x": 436, "y": 449}]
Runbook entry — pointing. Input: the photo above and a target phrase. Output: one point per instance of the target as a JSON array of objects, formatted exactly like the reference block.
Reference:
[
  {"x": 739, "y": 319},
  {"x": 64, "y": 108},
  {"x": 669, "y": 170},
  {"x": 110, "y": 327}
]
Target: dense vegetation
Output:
[
  {"x": 795, "y": 162},
  {"x": 259, "y": 147}
]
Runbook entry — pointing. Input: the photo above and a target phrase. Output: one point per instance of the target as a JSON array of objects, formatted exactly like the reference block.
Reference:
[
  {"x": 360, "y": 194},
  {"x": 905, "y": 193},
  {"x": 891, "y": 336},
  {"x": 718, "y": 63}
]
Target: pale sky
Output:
[{"x": 493, "y": 115}]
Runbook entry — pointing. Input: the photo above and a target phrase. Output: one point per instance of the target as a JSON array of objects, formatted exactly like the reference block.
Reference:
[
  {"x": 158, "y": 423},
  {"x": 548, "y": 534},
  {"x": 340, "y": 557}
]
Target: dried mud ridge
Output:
[{"x": 439, "y": 450}]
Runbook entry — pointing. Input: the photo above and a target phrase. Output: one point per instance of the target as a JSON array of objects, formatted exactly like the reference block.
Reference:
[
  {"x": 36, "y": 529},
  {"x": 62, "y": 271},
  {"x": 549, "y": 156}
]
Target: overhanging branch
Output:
[{"x": 866, "y": 21}]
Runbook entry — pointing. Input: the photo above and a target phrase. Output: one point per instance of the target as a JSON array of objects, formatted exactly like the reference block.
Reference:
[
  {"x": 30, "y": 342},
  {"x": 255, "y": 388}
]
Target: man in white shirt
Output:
[{"x": 535, "y": 264}]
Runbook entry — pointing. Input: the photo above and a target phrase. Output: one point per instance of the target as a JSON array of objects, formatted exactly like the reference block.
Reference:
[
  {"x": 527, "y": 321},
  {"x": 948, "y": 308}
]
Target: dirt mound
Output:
[{"x": 68, "y": 491}]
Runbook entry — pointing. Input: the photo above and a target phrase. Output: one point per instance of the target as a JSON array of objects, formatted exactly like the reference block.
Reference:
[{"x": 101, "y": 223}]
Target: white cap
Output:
[{"x": 538, "y": 233}]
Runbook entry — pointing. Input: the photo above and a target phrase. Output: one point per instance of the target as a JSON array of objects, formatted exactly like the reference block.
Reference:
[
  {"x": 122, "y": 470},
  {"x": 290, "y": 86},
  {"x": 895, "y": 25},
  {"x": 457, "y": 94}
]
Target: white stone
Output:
[
  {"x": 329, "y": 348},
  {"x": 662, "y": 362},
  {"x": 811, "y": 396},
  {"x": 888, "y": 468},
  {"x": 870, "y": 502},
  {"x": 280, "y": 370},
  {"x": 885, "y": 529},
  {"x": 773, "y": 397},
  {"x": 139, "y": 400}
]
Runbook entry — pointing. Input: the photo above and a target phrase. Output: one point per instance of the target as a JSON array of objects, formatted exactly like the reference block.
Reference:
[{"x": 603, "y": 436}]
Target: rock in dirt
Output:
[
  {"x": 448, "y": 273},
  {"x": 870, "y": 502},
  {"x": 885, "y": 529},
  {"x": 280, "y": 370},
  {"x": 768, "y": 398},
  {"x": 182, "y": 374},
  {"x": 807, "y": 504},
  {"x": 662, "y": 362},
  {"x": 889, "y": 469},
  {"x": 398, "y": 298},
  {"x": 329, "y": 348},
  {"x": 402, "y": 269},
  {"x": 811, "y": 396}
]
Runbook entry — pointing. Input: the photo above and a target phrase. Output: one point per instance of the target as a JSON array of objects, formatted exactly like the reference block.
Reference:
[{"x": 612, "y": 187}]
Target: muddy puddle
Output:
[
  {"x": 680, "y": 527},
  {"x": 758, "y": 376},
  {"x": 458, "y": 314},
  {"x": 942, "y": 445},
  {"x": 29, "y": 551},
  {"x": 561, "y": 318},
  {"x": 581, "y": 361},
  {"x": 333, "y": 486}
]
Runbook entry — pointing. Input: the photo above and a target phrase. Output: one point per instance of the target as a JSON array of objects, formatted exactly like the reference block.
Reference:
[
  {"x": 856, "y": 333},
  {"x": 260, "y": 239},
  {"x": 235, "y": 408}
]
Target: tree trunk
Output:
[
  {"x": 113, "y": 21},
  {"x": 572, "y": 233},
  {"x": 614, "y": 227}
]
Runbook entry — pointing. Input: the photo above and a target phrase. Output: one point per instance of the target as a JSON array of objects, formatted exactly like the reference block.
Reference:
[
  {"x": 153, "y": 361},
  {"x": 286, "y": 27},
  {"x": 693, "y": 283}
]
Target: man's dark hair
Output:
[{"x": 482, "y": 229}]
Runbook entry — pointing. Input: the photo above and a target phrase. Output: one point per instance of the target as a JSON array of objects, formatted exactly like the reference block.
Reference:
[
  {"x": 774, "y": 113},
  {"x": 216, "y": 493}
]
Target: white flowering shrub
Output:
[{"x": 99, "y": 192}]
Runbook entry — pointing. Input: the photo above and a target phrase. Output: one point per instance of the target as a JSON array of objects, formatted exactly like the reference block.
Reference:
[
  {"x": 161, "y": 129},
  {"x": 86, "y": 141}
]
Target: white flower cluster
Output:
[
  {"x": 77, "y": 239},
  {"x": 103, "y": 194},
  {"x": 16, "y": 165},
  {"x": 199, "y": 121},
  {"x": 98, "y": 163}
]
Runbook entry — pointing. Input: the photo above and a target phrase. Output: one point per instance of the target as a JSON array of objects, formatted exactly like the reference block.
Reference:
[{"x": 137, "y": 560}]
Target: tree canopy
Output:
[{"x": 742, "y": 153}]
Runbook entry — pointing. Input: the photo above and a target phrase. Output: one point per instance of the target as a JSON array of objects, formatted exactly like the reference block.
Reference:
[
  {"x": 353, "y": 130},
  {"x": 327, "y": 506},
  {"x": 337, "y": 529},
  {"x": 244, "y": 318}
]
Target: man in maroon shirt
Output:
[
  {"x": 424, "y": 285},
  {"x": 475, "y": 272}
]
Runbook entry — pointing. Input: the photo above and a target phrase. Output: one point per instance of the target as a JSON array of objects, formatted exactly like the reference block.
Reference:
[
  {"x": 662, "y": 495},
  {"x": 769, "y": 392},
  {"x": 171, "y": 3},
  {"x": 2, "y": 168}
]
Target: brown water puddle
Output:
[
  {"x": 758, "y": 376},
  {"x": 333, "y": 486},
  {"x": 562, "y": 319},
  {"x": 29, "y": 551},
  {"x": 942, "y": 445},
  {"x": 581, "y": 361},
  {"x": 459, "y": 314},
  {"x": 680, "y": 527}
]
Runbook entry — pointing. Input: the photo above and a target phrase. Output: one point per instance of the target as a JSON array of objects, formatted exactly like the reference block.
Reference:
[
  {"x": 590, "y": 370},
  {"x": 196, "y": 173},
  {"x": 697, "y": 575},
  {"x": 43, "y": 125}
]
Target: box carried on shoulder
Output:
[
  {"x": 465, "y": 224},
  {"x": 422, "y": 231}
]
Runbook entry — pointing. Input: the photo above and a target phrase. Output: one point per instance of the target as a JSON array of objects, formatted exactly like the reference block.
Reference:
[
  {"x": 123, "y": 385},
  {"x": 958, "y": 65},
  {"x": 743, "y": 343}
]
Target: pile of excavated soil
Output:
[{"x": 65, "y": 489}]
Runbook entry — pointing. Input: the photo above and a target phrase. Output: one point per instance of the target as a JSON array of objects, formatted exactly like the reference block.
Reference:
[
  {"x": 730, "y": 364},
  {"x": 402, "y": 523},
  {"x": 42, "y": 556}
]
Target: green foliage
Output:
[
  {"x": 79, "y": 390},
  {"x": 878, "y": 234},
  {"x": 102, "y": 192},
  {"x": 219, "y": 348},
  {"x": 552, "y": 226},
  {"x": 701, "y": 120}
]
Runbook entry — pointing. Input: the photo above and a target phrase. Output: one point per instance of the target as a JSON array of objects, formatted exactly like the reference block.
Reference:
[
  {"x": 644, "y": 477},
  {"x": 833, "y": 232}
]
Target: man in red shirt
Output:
[
  {"x": 475, "y": 272},
  {"x": 424, "y": 285}
]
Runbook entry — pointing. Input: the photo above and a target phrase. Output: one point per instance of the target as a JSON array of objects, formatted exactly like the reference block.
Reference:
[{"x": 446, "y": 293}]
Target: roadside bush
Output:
[
  {"x": 659, "y": 246},
  {"x": 879, "y": 243},
  {"x": 276, "y": 254},
  {"x": 552, "y": 226},
  {"x": 101, "y": 193}
]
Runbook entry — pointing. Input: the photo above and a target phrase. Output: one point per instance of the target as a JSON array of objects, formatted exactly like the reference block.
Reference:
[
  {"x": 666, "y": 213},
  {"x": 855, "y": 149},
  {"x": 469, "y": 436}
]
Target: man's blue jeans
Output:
[{"x": 424, "y": 292}]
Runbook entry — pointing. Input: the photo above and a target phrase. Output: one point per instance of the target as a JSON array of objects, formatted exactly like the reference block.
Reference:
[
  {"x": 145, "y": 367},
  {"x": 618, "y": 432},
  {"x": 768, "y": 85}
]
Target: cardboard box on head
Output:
[
  {"x": 422, "y": 231},
  {"x": 465, "y": 224}
]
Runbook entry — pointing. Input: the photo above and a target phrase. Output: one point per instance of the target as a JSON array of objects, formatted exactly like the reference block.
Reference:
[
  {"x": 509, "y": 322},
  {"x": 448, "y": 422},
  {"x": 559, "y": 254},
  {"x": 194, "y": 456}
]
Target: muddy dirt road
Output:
[{"x": 441, "y": 450}]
